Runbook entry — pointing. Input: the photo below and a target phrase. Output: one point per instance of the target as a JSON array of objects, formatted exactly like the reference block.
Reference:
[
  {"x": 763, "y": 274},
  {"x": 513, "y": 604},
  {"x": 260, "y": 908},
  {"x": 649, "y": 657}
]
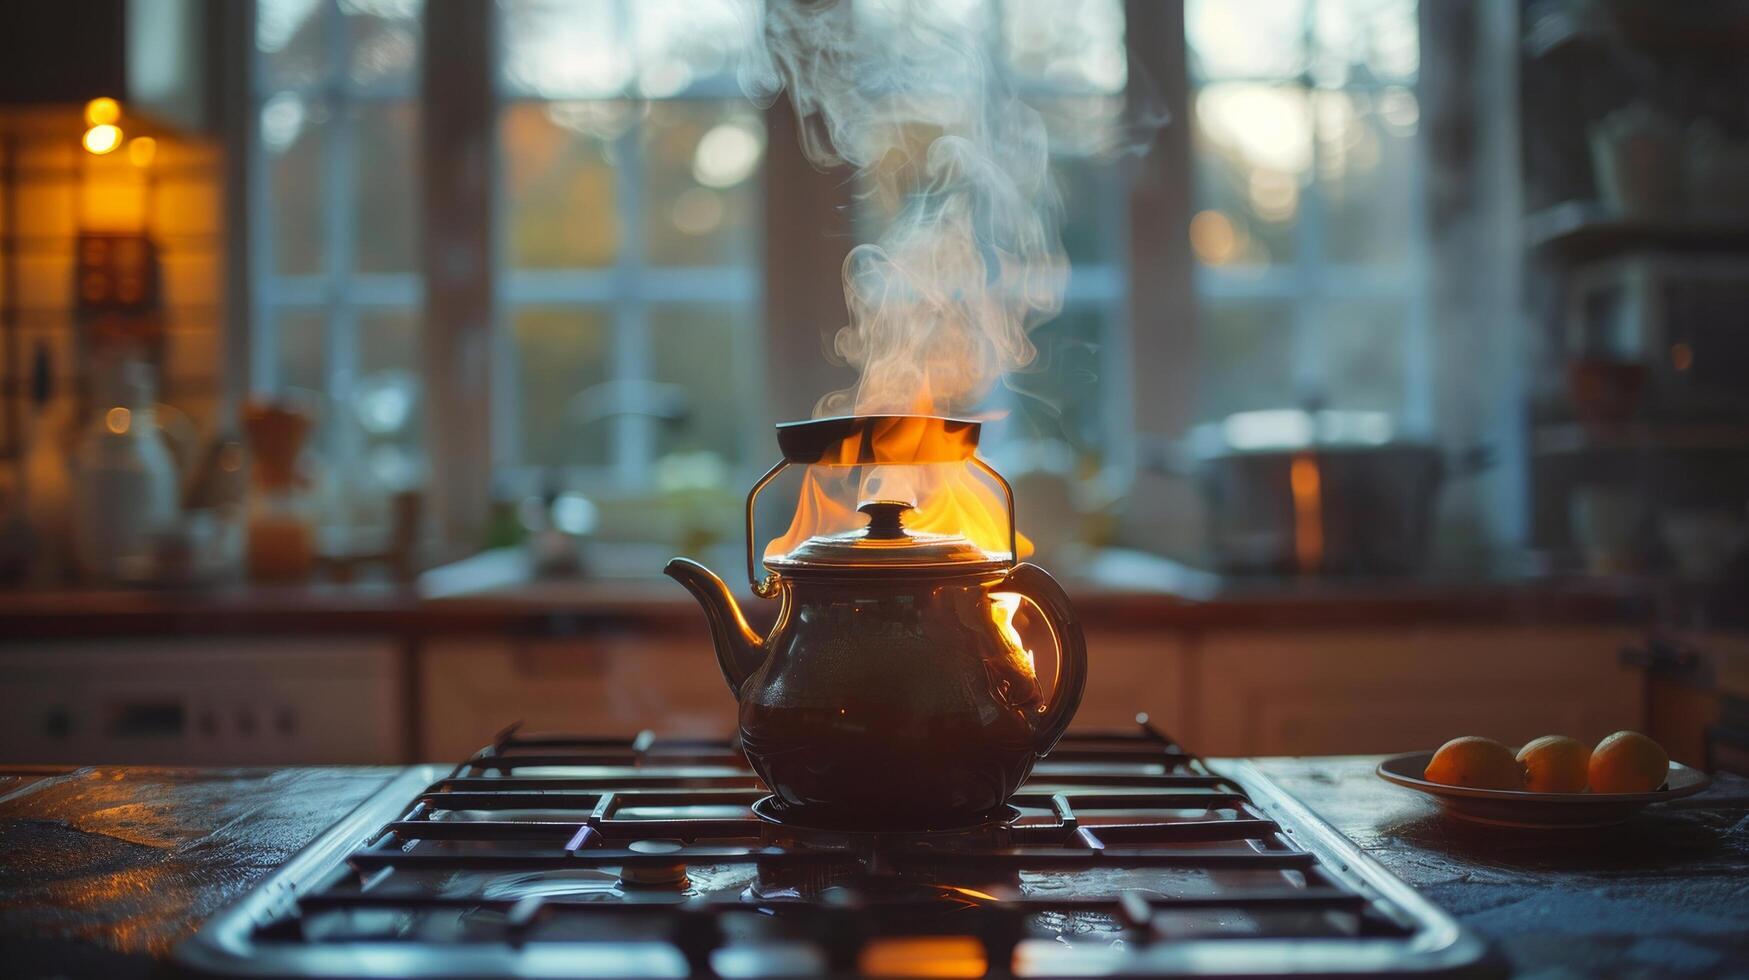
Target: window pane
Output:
[
  {"x": 293, "y": 139},
  {"x": 388, "y": 340},
  {"x": 561, "y": 183},
  {"x": 565, "y": 48},
  {"x": 700, "y": 201},
  {"x": 387, "y": 391},
  {"x": 677, "y": 43},
  {"x": 695, "y": 349},
  {"x": 386, "y": 397},
  {"x": 1061, "y": 395},
  {"x": 1253, "y": 147},
  {"x": 387, "y": 195},
  {"x": 384, "y": 36},
  {"x": 560, "y": 355},
  {"x": 1364, "y": 41},
  {"x": 1362, "y": 346},
  {"x": 301, "y": 342},
  {"x": 1091, "y": 217},
  {"x": 290, "y": 36},
  {"x": 1070, "y": 45},
  {"x": 1367, "y": 163},
  {"x": 1247, "y": 358},
  {"x": 1254, "y": 39}
]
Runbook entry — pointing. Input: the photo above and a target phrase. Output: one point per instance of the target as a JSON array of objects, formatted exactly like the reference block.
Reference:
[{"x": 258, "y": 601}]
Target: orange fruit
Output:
[
  {"x": 1481, "y": 763},
  {"x": 1628, "y": 762},
  {"x": 1555, "y": 764}
]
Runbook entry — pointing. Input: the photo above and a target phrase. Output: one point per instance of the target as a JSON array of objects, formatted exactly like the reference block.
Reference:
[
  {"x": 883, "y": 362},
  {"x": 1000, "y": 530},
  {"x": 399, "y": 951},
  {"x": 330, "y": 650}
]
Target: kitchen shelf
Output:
[
  {"x": 1569, "y": 438},
  {"x": 1718, "y": 25},
  {"x": 1591, "y": 230}
]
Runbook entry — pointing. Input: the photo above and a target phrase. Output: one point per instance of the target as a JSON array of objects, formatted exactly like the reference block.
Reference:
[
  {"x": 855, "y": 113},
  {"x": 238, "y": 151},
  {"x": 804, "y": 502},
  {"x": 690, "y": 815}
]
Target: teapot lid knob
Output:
[{"x": 886, "y": 519}]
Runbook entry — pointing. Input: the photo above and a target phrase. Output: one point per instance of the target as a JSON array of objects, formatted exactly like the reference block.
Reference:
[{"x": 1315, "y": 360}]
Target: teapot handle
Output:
[{"x": 1036, "y": 586}]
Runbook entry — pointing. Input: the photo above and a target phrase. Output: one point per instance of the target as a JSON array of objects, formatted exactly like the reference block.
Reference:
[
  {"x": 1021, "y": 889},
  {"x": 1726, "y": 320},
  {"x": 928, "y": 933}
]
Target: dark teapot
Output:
[{"x": 892, "y": 690}]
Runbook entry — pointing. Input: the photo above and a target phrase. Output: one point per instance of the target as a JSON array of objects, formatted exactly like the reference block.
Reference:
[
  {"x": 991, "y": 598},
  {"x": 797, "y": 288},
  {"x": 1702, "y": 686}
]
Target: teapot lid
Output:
[{"x": 885, "y": 546}]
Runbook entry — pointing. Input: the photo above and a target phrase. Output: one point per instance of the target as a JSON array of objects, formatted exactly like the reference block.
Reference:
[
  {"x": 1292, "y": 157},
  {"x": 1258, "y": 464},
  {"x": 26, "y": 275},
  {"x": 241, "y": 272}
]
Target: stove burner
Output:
[{"x": 656, "y": 873}]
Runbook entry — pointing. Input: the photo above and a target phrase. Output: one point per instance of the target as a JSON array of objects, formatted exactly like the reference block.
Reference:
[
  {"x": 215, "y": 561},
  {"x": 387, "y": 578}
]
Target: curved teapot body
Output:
[{"x": 897, "y": 702}]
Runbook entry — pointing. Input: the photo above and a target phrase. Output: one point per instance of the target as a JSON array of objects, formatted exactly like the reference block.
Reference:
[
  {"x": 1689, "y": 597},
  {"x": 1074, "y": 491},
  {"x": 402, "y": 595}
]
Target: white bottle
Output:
[{"x": 125, "y": 486}]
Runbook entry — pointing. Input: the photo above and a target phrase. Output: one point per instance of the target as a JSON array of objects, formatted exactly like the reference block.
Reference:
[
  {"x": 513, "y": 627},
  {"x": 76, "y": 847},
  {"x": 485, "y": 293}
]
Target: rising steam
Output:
[{"x": 970, "y": 258}]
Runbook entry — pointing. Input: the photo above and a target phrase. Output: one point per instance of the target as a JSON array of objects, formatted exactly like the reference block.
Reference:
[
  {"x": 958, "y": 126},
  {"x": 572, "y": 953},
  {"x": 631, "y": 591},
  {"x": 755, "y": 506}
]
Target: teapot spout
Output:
[{"x": 739, "y": 649}]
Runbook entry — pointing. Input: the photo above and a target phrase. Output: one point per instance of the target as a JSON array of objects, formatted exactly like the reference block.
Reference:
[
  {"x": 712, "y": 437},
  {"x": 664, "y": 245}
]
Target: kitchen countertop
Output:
[{"x": 104, "y": 870}]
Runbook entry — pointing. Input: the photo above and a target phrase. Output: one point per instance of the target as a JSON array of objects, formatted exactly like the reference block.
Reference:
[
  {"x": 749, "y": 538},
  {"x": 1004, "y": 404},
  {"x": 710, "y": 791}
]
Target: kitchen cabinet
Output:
[
  {"x": 603, "y": 684},
  {"x": 1695, "y": 683},
  {"x": 250, "y": 701},
  {"x": 1327, "y": 692},
  {"x": 1131, "y": 671},
  {"x": 612, "y": 684},
  {"x": 1238, "y": 692}
]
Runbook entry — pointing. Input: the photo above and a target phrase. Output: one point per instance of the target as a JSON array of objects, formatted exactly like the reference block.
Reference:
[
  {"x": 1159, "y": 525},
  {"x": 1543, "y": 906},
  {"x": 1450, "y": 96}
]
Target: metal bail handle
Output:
[{"x": 766, "y": 587}]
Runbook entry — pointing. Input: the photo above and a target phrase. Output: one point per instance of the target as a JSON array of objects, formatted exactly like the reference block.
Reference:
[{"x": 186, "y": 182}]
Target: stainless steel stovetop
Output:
[{"x": 555, "y": 856}]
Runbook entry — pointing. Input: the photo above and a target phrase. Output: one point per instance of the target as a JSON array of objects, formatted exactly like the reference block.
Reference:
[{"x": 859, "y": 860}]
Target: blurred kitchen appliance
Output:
[
  {"x": 561, "y": 856},
  {"x": 267, "y": 701},
  {"x": 894, "y": 686},
  {"x": 1290, "y": 491}
]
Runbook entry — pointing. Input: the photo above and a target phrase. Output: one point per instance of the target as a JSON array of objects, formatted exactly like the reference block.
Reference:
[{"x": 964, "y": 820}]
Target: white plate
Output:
[{"x": 1520, "y": 808}]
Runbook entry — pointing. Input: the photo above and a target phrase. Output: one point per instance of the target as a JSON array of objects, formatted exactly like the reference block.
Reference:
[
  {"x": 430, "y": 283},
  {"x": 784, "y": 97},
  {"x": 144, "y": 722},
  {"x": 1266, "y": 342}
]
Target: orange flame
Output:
[
  {"x": 949, "y": 498},
  {"x": 1003, "y": 606}
]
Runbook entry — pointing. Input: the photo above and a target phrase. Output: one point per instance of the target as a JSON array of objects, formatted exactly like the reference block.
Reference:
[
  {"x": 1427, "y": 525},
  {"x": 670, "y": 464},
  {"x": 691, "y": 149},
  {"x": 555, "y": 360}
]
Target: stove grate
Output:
[{"x": 547, "y": 853}]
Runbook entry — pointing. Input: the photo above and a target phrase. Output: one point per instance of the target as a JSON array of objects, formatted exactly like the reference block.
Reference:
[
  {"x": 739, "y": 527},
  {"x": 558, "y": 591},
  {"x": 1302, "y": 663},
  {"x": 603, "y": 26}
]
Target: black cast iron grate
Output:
[{"x": 549, "y": 855}]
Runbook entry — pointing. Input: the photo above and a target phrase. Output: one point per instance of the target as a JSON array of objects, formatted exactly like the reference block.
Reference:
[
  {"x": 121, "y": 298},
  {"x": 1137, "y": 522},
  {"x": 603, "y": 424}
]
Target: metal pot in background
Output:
[{"x": 1326, "y": 492}]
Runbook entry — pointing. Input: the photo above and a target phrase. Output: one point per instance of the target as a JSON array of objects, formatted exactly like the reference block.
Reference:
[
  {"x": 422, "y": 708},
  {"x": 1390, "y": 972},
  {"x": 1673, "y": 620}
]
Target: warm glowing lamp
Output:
[
  {"x": 102, "y": 138},
  {"x": 102, "y": 112}
]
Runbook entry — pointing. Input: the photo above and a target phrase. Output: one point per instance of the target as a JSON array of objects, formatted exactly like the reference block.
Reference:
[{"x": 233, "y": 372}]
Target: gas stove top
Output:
[{"x": 555, "y": 856}]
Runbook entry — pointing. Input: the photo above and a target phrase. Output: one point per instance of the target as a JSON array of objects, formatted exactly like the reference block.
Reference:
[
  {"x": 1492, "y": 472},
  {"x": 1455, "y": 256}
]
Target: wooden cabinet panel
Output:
[
  {"x": 600, "y": 685},
  {"x": 618, "y": 685},
  {"x": 1130, "y": 671},
  {"x": 1333, "y": 692}
]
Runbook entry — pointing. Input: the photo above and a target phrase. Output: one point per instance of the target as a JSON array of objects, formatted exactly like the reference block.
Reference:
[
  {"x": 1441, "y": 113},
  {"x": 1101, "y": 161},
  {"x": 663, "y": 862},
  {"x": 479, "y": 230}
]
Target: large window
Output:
[
  {"x": 630, "y": 211},
  {"x": 1308, "y": 224}
]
